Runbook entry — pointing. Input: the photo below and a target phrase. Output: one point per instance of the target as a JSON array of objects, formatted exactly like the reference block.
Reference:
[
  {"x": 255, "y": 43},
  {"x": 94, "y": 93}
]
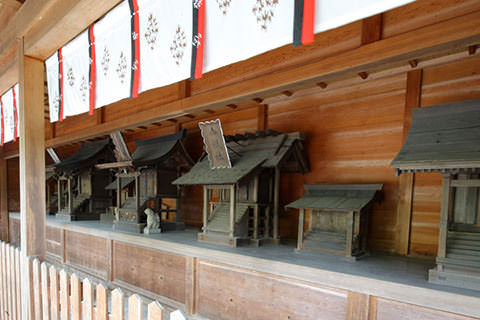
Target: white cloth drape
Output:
[
  {"x": 76, "y": 82},
  {"x": 165, "y": 42},
  {"x": 8, "y": 116},
  {"x": 237, "y": 30},
  {"x": 51, "y": 66},
  {"x": 113, "y": 56}
]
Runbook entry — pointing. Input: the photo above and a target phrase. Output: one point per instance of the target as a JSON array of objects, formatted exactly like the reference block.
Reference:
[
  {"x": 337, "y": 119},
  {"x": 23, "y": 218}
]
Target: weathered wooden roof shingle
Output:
[
  {"x": 336, "y": 197},
  {"x": 442, "y": 137}
]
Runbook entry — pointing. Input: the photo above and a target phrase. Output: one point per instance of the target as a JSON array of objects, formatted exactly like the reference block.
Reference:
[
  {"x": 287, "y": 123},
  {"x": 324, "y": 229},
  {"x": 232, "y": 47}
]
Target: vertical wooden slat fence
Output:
[{"x": 58, "y": 295}]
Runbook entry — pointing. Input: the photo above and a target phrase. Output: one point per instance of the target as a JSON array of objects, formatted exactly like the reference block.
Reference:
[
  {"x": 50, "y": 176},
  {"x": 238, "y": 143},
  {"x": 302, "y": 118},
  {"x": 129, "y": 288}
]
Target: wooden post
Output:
[
  {"x": 4, "y": 219},
  {"x": 301, "y": 223},
  {"x": 70, "y": 195},
  {"x": 119, "y": 198},
  {"x": 232, "y": 209},
  {"x": 407, "y": 180},
  {"x": 59, "y": 194},
  {"x": 137, "y": 195},
  {"x": 349, "y": 235},
  {"x": 276, "y": 202},
  {"x": 205, "y": 209},
  {"x": 444, "y": 215},
  {"x": 255, "y": 208},
  {"x": 32, "y": 167}
]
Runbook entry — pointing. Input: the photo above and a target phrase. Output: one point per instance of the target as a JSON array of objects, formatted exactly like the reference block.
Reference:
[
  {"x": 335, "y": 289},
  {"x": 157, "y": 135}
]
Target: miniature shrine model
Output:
[
  {"x": 51, "y": 192},
  {"x": 144, "y": 182},
  {"x": 445, "y": 139},
  {"x": 337, "y": 218},
  {"x": 81, "y": 188},
  {"x": 239, "y": 199}
]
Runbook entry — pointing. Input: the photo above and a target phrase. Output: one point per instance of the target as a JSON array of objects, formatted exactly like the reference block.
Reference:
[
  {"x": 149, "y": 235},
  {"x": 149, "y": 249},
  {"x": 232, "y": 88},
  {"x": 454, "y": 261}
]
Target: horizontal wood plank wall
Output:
[
  {"x": 225, "y": 291},
  {"x": 159, "y": 272},
  {"x": 86, "y": 252},
  {"x": 55, "y": 244}
]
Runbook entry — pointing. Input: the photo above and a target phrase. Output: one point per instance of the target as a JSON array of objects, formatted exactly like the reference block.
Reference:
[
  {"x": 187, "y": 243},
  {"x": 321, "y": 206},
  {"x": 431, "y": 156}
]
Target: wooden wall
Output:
[
  {"x": 13, "y": 184},
  {"x": 354, "y": 127},
  {"x": 219, "y": 287}
]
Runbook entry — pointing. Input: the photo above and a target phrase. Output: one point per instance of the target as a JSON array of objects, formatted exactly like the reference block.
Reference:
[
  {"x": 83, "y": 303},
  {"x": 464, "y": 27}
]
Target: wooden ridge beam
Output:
[{"x": 426, "y": 42}]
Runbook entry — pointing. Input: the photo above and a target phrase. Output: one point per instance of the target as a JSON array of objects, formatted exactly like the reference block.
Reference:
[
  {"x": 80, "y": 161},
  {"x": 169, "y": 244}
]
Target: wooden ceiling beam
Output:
[
  {"x": 11, "y": 3},
  {"x": 422, "y": 43}
]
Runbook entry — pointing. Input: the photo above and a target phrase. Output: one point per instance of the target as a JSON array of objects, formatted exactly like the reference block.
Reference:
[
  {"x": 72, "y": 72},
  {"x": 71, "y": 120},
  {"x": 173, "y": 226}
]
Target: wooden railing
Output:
[{"x": 58, "y": 295}]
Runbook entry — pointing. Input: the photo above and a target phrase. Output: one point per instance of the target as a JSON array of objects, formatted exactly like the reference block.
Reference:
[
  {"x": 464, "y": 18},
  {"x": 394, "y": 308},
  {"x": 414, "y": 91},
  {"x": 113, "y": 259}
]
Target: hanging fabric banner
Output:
[
  {"x": 113, "y": 56},
  {"x": 135, "y": 41},
  {"x": 304, "y": 22},
  {"x": 91, "y": 71},
  {"x": 332, "y": 14},
  {"x": 16, "y": 112},
  {"x": 198, "y": 32},
  {"x": 165, "y": 42},
  {"x": 237, "y": 30},
  {"x": 76, "y": 82},
  {"x": 53, "y": 78},
  {"x": 9, "y": 116}
]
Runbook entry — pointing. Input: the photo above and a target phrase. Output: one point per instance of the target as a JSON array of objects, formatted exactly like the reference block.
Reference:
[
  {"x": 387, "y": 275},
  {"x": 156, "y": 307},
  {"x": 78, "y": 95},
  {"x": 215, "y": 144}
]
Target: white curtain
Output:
[
  {"x": 239, "y": 29},
  {"x": 51, "y": 66},
  {"x": 76, "y": 80},
  {"x": 332, "y": 14},
  {"x": 165, "y": 42},
  {"x": 113, "y": 54},
  {"x": 8, "y": 116}
]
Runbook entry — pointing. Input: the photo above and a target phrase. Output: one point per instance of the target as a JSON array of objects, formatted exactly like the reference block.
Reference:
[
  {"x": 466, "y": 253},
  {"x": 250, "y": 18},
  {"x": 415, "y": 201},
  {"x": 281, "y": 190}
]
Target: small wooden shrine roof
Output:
[
  {"x": 265, "y": 149},
  {"x": 84, "y": 156},
  {"x": 155, "y": 150},
  {"x": 123, "y": 183},
  {"x": 336, "y": 197},
  {"x": 441, "y": 138},
  {"x": 48, "y": 175}
]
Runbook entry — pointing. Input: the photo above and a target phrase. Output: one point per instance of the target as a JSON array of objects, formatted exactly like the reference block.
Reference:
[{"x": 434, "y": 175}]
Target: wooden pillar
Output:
[
  {"x": 137, "y": 196},
  {"x": 444, "y": 215},
  {"x": 301, "y": 223},
  {"x": 70, "y": 195},
  {"x": 276, "y": 202},
  {"x": 59, "y": 194},
  {"x": 4, "y": 218},
  {"x": 119, "y": 198},
  {"x": 407, "y": 180},
  {"x": 205, "y": 209},
  {"x": 32, "y": 168},
  {"x": 232, "y": 209}
]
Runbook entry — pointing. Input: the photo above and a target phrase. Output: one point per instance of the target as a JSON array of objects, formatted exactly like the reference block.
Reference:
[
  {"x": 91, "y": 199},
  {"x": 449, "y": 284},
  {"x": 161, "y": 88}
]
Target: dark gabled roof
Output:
[
  {"x": 49, "y": 174},
  {"x": 266, "y": 149},
  {"x": 155, "y": 150},
  {"x": 442, "y": 137},
  {"x": 336, "y": 197},
  {"x": 84, "y": 156},
  {"x": 124, "y": 182}
]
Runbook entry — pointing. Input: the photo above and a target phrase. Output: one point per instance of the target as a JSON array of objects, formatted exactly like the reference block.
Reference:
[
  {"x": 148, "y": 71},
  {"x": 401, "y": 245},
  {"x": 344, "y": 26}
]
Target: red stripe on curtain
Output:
[
  {"x": 308, "y": 21},
  {"x": 201, "y": 34},
  {"x": 60, "y": 72},
  {"x": 15, "y": 114},
  {"x": 92, "y": 71}
]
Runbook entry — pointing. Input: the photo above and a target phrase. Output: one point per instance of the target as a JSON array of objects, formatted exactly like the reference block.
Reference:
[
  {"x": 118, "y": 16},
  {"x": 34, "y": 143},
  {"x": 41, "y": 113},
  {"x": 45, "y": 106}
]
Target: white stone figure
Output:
[
  {"x": 117, "y": 213},
  {"x": 153, "y": 222}
]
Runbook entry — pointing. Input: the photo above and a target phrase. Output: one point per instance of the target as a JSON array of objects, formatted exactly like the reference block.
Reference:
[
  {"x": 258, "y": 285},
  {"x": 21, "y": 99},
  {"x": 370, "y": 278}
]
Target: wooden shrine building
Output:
[
  {"x": 445, "y": 139},
  {"x": 81, "y": 187},
  {"x": 146, "y": 182},
  {"x": 240, "y": 204},
  {"x": 338, "y": 218},
  {"x": 347, "y": 127}
]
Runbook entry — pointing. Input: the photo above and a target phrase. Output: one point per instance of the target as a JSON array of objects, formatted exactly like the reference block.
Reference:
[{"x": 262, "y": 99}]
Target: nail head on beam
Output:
[
  {"x": 158, "y": 124},
  {"x": 232, "y": 106},
  {"x": 191, "y": 116},
  {"x": 472, "y": 50},
  {"x": 209, "y": 111},
  {"x": 322, "y": 85},
  {"x": 258, "y": 100},
  {"x": 287, "y": 93},
  {"x": 413, "y": 63},
  {"x": 173, "y": 120},
  {"x": 363, "y": 75}
]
